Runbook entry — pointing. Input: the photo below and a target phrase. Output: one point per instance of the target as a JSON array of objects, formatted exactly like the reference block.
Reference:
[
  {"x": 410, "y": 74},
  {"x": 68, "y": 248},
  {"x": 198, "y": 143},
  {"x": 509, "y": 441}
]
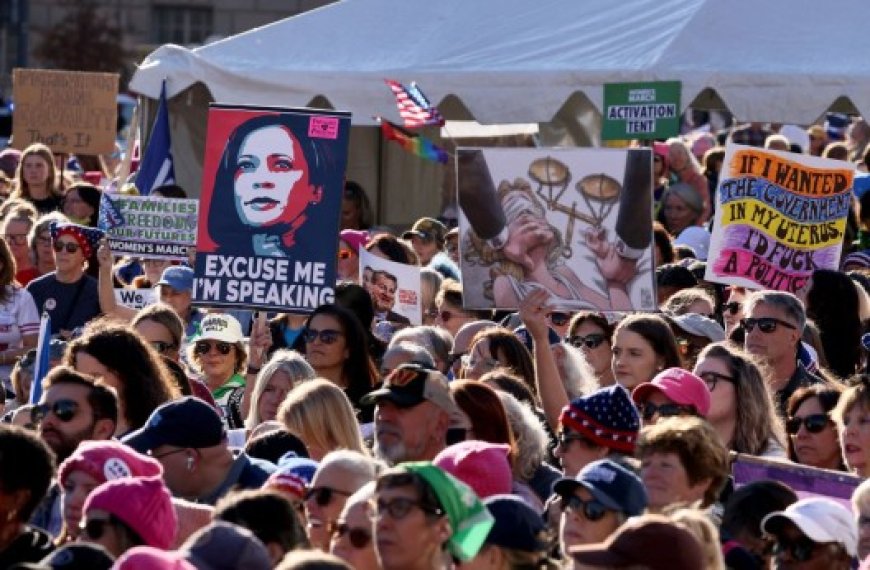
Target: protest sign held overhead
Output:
[
  {"x": 149, "y": 226},
  {"x": 136, "y": 298},
  {"x": 270, "y": 205},
  {"x": 575, "y": 222},
  {"x": 69, "y": 111},
  {"x": 641, "y": 110},
  {"x": 779, "y": 217},
  {"x": 393, "y": 287}
]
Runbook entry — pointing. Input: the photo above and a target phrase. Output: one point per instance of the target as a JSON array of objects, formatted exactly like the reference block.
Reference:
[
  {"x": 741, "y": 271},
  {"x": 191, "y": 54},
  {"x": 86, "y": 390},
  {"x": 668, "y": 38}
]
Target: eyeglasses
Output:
[
  {"x": 469, "y": 361},
  {"x": 559, "y": 319},
  {"x": 650, "y": 410},
  {"x": 345, "y": 254},
  {"x": 16, "y": 239},
  {"x": 323, "y": 495},
  {"x": 359, "y": 537},
  {"x": 801, "y": 549},
  {"x": 71, "y": 247},
  {"x": 204, "y": 347},
  {"x": 590, "y": 341},
  {"x": 593, "y": 510},
  {"x": 713, "y": 378},
  {"x": 64, "y": 410},
  {"x": 565, "y": 440},
  {"x": 731, "y": 308},
  {"x": 162, "y": 347},
  {"x": 814, "y": 423},
  {"x": 326, "y": 336},
  {"x": 400, "y": 507},
  {"x": 765, "y": 324}
]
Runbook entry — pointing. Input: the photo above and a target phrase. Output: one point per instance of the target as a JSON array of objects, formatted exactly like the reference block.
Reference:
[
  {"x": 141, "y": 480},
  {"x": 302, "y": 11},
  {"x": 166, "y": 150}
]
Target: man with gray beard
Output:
[{"x": 413, "y": 412}]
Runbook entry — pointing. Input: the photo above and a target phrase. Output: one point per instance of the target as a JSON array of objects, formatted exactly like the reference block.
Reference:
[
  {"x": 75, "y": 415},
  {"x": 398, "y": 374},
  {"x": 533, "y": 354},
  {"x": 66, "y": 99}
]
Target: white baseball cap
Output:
[
  {"x": 822, "y": 520},
  {"x": 221, "y": 327}
]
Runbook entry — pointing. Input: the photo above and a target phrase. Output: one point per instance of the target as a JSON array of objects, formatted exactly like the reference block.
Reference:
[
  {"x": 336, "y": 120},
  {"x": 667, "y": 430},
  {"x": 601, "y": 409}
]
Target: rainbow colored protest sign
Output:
[{"x": 779, "y": 217}]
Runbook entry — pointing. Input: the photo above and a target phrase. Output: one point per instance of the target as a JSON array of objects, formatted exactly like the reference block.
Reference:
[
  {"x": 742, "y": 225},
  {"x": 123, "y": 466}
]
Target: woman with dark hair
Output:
[
  {"x": 389, "y": 247},
  {"x": 485, "y": 411},
  {"x": 643, "y": 345},
  {"x": 663, "y": 247},
  {"x": 591, "y": 332},
  {"x": 812, "y": 433},
  {"x": 19, "y": 318},
  {"x": 122, "y": 359},
  {"x": 498, "y": 347},
  {"x": 266, "y": 180},
  {"x": 357, "y": 300},
  {"x": 356, "y": 212},
  {"x": 81, "y": 204},
  {"x": 336, "y": 347},
  {"x": 832, "y": 302}
]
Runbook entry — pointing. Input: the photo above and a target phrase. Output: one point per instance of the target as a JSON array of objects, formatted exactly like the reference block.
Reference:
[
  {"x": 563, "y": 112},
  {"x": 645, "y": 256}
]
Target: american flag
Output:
[
  {"x": 109, "y": 216},
  {"x": 414, "y": 108}
]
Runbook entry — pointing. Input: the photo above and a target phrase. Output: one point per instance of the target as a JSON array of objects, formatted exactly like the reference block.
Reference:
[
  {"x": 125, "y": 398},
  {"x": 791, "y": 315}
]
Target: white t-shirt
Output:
[{"x": 18, "y": 317}]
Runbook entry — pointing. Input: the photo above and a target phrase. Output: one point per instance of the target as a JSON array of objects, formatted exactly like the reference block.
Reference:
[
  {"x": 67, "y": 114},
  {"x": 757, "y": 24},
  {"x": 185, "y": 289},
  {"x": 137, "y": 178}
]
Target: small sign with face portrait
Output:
[{"x": 267, "y": 235}]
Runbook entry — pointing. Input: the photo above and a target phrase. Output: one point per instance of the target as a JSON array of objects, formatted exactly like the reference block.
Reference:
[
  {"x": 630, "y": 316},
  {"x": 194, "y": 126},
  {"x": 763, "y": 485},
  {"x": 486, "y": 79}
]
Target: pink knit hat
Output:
[
  {"x": 143, "y": 504},
  {"x": 108, "y": 460},
  {"x": 150, "y": 558},
  {"x": 481, "y": 465},
  {"x": 356, "y": 239},
  {"x": 679, "y": 386}
]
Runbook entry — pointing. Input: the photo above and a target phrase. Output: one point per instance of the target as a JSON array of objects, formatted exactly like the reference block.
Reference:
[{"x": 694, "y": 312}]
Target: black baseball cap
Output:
[{"x": 185, "y": 422}]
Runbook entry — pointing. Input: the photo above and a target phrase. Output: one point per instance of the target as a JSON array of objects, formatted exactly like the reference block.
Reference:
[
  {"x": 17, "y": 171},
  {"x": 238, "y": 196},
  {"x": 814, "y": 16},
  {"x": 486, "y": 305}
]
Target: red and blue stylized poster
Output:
[{"x": 269, "y": 212}]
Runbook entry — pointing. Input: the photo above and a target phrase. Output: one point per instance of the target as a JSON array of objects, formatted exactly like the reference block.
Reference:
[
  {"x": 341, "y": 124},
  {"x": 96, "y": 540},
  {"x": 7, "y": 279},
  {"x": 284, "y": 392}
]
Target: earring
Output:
[{"x": 189, "y": 463}]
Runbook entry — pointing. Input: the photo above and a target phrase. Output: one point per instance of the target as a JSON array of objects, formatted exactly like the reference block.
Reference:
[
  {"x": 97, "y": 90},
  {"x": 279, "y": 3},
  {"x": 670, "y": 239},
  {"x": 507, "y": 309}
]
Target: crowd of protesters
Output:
[{"x": 181, "y": 437}]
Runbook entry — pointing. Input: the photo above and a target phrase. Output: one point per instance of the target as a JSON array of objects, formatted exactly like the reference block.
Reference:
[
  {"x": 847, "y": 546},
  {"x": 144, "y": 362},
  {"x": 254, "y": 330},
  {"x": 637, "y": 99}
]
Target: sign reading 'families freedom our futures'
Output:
[
  {"x": 149, "y": 226},
  {"x": 780, "y": 216},
  {"x": 641, "y": 110},
  {"x": 272, "y": 185}
]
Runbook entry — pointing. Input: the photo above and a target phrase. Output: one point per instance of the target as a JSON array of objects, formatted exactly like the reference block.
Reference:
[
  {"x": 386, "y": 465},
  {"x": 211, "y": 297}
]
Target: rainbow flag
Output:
[{"x": 413, "y": 143}]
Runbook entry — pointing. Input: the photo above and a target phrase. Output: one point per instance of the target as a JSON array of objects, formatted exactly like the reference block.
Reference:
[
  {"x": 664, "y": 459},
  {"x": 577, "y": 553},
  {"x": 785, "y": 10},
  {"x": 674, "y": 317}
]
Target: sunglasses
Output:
[
  {"x": 814, "y": 423},
  {"x": 326, "y": 336},
  {"x": 95, "y": 528},
  {"x": 323, "y": 495},
  {"x": 731, "y": 308},
  {"x": 590, "y": 341},
  {"x": 650, "y": 410},
  {"x": 359, "y": 537},
  {"x": 71, "y": 247},
  {"x": 559, "y": 319},
  {"x": 64, "y": 410},
  {"x": 765, "y": 324},
  {"x": 565, "y": 440},
  {"x": 713, "y": 378},
  {"x": 400, "y": 507},
  {"x": 800, "y": 550},
  {"x": 345, "y": 254},
  {"x": 162, "y": 347},
  {"x": 592, "y": 510},
  {"x": 204, "y": 347},
  {"x": 469, "y": 361}
]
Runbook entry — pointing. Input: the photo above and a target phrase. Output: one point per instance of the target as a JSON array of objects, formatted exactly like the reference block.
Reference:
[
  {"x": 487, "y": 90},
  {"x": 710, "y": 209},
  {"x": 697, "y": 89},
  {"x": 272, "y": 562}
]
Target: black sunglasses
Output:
[
  {"x": 204, "y": 347},
  {"x": 161, "y": 346},
  {"x": 400, "y": 507},
  {"x": 711, "y": 379},
  {"x": 814, "y": 423},
  {"x": 95, "y": 528},
  {"x": 326, "y": 336},
  {"x": 801, "y": 549},
  {"x": 590, "y": 341},
  {"x": 731, "y": 308},
  {"x": 359, "y": 537},
  {"x": 593, "y": 510},
  {"x": 71, "y": 247},
  {"x": 323, "y": 495},
  {"x": 559, "y": 319},
  {"x": 565, "y": 440},
  {"x": 649, "y": 410},
  {"x": 64, "y": 410},
  {"x": 765, "y": 324}
]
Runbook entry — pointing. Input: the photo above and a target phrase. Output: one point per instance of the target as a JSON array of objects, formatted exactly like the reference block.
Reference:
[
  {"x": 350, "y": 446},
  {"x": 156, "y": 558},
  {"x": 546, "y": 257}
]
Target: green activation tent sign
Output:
[{"x": 641, "y": 110}]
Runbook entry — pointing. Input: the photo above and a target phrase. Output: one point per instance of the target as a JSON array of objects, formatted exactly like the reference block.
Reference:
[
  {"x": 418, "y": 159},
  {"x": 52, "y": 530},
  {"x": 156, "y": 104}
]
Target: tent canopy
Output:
[{"x": 513, "y": 61}]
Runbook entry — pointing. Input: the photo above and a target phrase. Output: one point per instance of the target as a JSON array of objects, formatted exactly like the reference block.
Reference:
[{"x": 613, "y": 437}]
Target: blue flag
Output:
[
  {"x": 109, "y": 216},
  {"x": 40, "y": 369},
  {"x": 156, "y": 168}
]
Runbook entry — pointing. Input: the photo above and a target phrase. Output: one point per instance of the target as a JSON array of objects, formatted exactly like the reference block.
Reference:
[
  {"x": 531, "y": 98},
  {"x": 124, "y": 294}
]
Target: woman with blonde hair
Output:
[
  {"x": 689, "y": 171},
  {"x": 320, "y": 414},
  {"x": 36, "y": 179},
  {"x": 742, "y": 410},
  {"x": 285, "y": 370},
  {"x": 706, "y": 532}
]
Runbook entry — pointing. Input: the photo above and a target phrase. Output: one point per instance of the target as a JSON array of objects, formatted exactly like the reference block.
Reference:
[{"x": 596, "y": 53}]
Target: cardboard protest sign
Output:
[
  {"x": 648, "y": 110},
  {"x": 575, "y": 222},
  {"x": 804, "y": 480},
  {"x": 149, "y": 226},
  {"x": 70, "y": 111},
  {"x": 394, "y": 288},
  {"x": 136, "y": 298},
  {"x": 270, "y": 203},
  {"x": 779, "y": 217}
]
